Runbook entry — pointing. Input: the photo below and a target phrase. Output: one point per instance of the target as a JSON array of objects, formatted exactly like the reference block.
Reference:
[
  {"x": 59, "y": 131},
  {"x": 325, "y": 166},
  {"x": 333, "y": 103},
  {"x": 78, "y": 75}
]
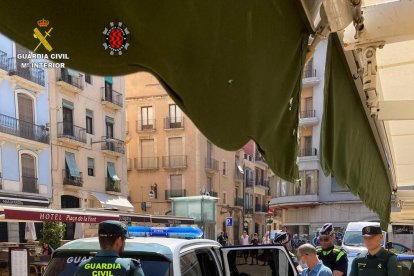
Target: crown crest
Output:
[{"x": 43, "y": 23}]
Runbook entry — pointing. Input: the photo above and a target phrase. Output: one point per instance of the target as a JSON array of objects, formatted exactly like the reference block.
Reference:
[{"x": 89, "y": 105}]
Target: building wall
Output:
[
  {"x": 142, "y": 89},
  {"x": 89, "y": 97},
  {"x": 17, "y": 138}
]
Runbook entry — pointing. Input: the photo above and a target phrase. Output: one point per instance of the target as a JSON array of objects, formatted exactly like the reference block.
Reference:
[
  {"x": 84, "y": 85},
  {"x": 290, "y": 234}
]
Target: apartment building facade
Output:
[
  {"x": 24, "y": 137},
  {"x": 168, "y": 157},
  {"x": 315, "y": 199},
  {"x": 89, "y": 167}
]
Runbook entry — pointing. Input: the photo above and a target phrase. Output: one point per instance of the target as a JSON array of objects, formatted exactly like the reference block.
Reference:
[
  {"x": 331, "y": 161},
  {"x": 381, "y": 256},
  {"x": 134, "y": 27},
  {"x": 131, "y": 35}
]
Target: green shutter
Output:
[
  {"x": 112, "y": 172},
  {"x": 109, "y": 120},
  {"x": 89, "y": 113},
  {"x": 67, "y": 104},
  {"x": 108, "y": 79},
  {"x": 71, "y": 162},
  {"x": 348, "y": 148}
]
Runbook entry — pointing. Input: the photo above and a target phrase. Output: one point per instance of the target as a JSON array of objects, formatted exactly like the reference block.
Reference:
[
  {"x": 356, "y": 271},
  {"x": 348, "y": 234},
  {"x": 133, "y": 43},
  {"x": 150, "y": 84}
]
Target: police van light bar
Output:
[{"x": 170, "y": 232}]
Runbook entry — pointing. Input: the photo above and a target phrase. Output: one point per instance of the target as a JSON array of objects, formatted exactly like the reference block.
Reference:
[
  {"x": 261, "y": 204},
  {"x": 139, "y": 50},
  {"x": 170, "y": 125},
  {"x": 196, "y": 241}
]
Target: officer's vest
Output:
[
  {"x": 330, "y": 257},
  {"x": 105, "y": 266},
  {"x": 373, "y": 266}
]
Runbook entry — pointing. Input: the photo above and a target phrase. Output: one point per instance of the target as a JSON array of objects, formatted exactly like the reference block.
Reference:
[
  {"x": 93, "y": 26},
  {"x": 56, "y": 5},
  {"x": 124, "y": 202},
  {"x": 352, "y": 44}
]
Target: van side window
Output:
[{"x": 189, "y": 265}]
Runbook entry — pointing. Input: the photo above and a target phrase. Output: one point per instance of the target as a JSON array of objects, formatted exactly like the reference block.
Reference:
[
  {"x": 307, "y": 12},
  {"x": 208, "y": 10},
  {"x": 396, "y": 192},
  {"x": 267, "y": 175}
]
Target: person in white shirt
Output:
[
  {"x": 245, "y": 241},
  {"x": 266, "y": 239}
]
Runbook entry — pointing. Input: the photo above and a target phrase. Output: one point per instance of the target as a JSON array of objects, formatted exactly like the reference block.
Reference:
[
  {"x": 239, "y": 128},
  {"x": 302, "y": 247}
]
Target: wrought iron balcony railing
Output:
[
  {"x": 70, "y": 131},
  {"x": 72, "y": 180},
  {"x": 18, "y": 68},
  {"x": 19, "y": 128},
  {"x": 112, "y": 96}
]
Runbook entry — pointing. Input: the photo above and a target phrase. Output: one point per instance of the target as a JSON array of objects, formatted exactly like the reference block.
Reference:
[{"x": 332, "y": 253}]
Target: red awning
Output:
[{"x": 38, "y": 214}]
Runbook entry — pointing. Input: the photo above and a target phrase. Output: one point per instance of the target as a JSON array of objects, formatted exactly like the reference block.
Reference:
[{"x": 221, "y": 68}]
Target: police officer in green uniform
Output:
[
  {"x": 112, "y": 235},
  {"x": 377, "y": 261},
  {"x": 331, "y": 256}
]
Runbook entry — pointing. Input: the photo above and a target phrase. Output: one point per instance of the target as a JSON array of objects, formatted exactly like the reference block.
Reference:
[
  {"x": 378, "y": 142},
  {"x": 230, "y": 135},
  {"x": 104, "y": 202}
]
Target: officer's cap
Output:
[
  {"x": 113, "y": 228},
  {"x": 368, "y": 231},
  {"x": 327, "y": 229}
]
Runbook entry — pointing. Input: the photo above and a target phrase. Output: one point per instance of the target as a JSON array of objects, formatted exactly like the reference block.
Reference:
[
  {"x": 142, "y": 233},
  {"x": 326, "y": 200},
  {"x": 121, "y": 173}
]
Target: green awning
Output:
[
  {"x": 348, "y": 147},
  {"x": 108, "y": 79},
  {"x": 223, "y": 62},
  {"x": 71, "y": 162},
  {"x": 112, "y": 172}
]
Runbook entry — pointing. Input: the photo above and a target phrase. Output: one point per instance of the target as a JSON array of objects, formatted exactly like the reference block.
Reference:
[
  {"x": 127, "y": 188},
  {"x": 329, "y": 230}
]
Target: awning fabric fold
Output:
[
  {"x": 112, "y": 172},
  {"x": 348, "y": 147},
  {"x": 71, "y": 162},
  {"x": 217, "y": 59},
  {"x": 113, "y": 201}
]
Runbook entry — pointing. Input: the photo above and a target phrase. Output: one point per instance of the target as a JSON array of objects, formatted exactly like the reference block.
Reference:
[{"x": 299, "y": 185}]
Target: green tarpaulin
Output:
[
  {"x": 71, "y": 163},
  {"x": 348, "y": 148}
]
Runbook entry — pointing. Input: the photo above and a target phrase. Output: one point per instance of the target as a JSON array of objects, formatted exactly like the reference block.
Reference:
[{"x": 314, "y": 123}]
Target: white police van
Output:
[{"x": 161, "y": 252}]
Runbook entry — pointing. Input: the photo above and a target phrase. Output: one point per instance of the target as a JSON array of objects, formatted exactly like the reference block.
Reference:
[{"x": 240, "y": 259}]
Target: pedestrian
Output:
[
  {"x": 47, "y": 249},
  {"x": 331, "y": 256},
  {"x": 283, "y": 238},
  {"x": 254, "y": 252},
  {"x": 377, "y": 261},
  {"x": 266, "y": 238},
  {"x": 307, "y": 254},
  {"x": 244, "y": 240},
  {"x": 226, "y": 238},
  {"x": 221, "y": 239},
  {"x": 107, "y": 261}
]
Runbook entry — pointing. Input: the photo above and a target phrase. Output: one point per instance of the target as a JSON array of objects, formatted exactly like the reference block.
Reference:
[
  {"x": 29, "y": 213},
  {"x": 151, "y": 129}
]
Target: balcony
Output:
[
  {"x": 112, "y": 185},
  {"x": 25, "y": 131},
  {"x": 71, "y": 180},
  {"x": 308, "y": 118},
  {"x": 174, "y": 123},
  {"x": 258, "y": 157},
  {"x": 260, "y": 208},
  {"x": 238, "y": 176},
  {"x": 174, "y": 162},
  {"x": 111, "y": 99},
  {"x": 248, "y": 211},
  {"x": 309, "y": 77},
  {"x": 174, "y": 193},
  {"x": 112, "y": 146},
  {"x": 146, "y": 125},
  {"x": 238, "y": 202},
  {"x": 29, "y": 185},
  {"x": 71, "y": 134},
  {"x": 3, "y": 63},
  {"x": 308, "y": 152},
  {"x": 146, "y": 163},
  {"x": 211, "y": 164},
  {"x": 249, "y": 182},
  {"x": 31, "y": 78},
  {"x": 69, "y": 82}
]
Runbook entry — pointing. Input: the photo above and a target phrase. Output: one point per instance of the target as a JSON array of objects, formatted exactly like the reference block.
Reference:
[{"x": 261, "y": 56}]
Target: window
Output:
[
  {"x": 224, "y": 168},
  {"x": 175, "y": 116},
  {"x": 209, "y": 150},
  {"x": 91, "y": 166},
  {"x": 29, "y": 179},
  {"x": 88, "y": 78},
  {"x": 147, "y": 117},
  {"x": 109, "y": 127},
  {"x": 190, "y": 265},
  {"x": 224, "y": 198},
  {"x": 89, "y": 121},
  {"x": 176, "y": 182}
]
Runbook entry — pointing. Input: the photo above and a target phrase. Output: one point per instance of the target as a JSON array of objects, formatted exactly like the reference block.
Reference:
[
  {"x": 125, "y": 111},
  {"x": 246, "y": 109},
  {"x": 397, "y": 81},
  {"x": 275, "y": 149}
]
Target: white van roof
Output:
[{"x": 357, "y": 226}]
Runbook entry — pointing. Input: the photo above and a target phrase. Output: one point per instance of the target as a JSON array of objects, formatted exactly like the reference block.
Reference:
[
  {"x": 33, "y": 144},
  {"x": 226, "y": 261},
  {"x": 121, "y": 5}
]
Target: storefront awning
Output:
[
  {"x": 9, "y": 213},
  {"x": 348, "y": 147},
  {"x": 172, "y": 220},
  {"x": 216, "y": 59},
  {"x": 71, "y": 162},
  {"x": 113, "y": 201},
  {"x": 112, "y": 172}
]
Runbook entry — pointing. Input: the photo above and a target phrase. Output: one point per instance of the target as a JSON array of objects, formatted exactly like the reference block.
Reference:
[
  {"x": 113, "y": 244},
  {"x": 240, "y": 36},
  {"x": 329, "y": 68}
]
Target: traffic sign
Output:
[{"x": 229, "y": 221}]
